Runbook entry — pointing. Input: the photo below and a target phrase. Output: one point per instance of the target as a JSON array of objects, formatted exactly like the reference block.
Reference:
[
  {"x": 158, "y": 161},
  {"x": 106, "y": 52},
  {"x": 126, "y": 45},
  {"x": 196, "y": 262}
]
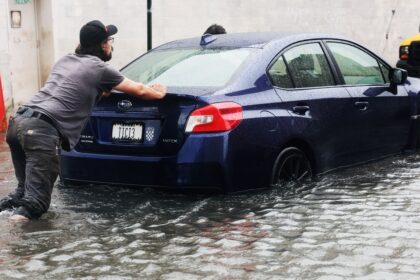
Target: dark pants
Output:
[{"x": 33, "y": 144}]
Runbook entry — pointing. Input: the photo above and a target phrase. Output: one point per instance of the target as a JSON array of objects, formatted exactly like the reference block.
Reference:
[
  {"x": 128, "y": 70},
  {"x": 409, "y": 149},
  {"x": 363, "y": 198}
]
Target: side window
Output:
[
  {"x": 308, "y": 66},
  {"x": 356, "y": 66},
  {"x": 278, "y": 74}
]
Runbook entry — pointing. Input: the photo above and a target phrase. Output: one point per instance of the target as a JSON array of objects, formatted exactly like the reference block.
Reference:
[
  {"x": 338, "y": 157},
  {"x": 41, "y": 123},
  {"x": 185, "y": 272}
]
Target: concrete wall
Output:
[
  {"x": 4, "y": 52},
  {"x": 24, "y": 60},
  {"x": 378, "y": 24},
  {"x": 128, "y": 15},
  {"x": 45, "y": 37},
  {"x": 367, "y": 22}
]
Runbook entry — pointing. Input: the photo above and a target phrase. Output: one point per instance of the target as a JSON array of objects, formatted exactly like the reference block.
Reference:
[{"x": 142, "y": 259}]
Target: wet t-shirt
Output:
[{"x": 74, "y": 85}]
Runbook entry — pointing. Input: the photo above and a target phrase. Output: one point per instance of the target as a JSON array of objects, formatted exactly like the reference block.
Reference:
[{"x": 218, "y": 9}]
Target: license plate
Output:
[{"x": 127, "y": 132}]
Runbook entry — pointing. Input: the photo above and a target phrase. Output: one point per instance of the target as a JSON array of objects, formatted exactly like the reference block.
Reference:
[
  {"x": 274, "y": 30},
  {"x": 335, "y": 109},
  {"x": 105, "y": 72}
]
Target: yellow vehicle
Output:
[{"x": 410, "y": 56}]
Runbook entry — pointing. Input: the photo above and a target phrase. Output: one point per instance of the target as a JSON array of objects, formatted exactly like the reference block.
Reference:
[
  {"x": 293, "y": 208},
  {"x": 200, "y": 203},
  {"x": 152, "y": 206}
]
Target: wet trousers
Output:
[{"x": 34, "y": 147}]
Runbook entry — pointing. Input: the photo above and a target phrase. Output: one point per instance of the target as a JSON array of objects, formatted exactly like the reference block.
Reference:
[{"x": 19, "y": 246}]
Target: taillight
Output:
[
  {"x": 404, "y": 52},
  {"x": 216, "y": 117}
]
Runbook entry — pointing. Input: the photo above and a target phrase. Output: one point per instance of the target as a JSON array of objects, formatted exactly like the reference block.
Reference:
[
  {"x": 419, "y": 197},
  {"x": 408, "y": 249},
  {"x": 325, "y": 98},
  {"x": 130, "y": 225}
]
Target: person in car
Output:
[
  {"x": 57, "y": 114},
  {"x": 215, "y": 29}
]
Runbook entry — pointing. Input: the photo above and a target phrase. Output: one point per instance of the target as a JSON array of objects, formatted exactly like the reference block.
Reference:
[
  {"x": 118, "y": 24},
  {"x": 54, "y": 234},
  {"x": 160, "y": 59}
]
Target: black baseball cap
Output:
[{"x": 95, "y": 32}]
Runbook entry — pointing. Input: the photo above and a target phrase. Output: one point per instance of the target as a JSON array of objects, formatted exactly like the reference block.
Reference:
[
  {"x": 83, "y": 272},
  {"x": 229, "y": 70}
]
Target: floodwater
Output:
[{"x": 360, "y": 223}]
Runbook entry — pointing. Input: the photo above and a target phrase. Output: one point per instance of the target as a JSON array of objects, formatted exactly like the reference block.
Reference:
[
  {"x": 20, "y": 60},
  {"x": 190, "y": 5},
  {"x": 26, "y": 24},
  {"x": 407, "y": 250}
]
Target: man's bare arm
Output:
[{"x": 140, "y": 90}]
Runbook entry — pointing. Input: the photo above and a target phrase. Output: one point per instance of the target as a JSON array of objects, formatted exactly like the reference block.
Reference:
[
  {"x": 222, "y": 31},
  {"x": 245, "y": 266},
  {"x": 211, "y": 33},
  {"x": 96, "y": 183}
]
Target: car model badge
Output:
[
  {"x": 150, "y": 133},
  {"x": 125, "y": 105}
]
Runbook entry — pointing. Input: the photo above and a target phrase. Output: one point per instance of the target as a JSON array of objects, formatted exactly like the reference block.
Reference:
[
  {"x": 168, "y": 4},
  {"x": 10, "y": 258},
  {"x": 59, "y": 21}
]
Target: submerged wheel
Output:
[{"x": 292, "y": 165}]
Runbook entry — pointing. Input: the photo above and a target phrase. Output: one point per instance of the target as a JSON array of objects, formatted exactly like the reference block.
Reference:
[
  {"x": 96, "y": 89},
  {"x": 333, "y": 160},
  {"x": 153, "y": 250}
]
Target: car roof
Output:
[{"x": 249, "y": 39}]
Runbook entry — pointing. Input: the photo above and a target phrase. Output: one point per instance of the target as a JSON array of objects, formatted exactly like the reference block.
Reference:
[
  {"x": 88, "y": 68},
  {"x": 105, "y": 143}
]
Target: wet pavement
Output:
[{"x": 360, "y": 223}]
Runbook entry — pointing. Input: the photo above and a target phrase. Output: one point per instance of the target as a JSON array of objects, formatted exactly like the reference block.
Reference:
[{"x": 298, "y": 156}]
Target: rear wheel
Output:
[{"x": 292, "y": 165}]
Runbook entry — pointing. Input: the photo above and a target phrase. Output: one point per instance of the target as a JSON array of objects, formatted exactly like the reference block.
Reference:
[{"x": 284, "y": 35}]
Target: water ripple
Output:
[{"x": 360, "y": 223}]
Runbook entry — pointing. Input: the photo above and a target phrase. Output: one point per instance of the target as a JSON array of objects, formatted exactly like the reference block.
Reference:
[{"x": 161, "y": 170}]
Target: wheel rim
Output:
[{"x": 294, "y": 167}]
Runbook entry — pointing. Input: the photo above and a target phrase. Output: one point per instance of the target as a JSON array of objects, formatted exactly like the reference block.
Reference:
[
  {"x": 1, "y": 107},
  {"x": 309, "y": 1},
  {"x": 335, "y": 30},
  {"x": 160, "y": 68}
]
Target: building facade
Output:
[{"x": 35, "y": 33}]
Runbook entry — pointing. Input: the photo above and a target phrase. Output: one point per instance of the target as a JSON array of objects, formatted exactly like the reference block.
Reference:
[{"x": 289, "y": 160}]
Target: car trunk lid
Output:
[{"x": 126, "y": 125}]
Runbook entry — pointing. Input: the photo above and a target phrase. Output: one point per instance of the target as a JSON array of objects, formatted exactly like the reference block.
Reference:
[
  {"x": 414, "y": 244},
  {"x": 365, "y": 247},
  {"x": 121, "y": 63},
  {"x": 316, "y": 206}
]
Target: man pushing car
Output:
[{"x": 57, "y": 114}]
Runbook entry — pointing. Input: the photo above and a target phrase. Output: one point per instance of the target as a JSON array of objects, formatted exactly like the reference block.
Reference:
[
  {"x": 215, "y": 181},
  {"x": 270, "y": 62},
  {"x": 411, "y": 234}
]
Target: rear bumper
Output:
[{"x": 191, "y": 168}]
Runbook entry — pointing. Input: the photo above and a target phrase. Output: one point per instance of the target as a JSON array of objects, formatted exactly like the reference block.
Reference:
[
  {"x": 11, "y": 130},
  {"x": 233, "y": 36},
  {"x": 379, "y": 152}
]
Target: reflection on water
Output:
[{"x": 362, "y": 223}]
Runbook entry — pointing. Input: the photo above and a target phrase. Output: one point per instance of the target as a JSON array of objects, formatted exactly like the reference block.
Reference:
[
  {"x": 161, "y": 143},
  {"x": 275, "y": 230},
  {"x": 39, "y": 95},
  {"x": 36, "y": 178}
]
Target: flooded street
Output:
[{"x": 360, "y": 223}]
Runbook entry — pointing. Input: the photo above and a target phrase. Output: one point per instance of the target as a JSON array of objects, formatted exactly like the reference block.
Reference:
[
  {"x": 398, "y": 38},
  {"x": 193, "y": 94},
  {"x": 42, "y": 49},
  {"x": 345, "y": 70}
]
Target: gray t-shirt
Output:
[{"x": 71, "y": 90}]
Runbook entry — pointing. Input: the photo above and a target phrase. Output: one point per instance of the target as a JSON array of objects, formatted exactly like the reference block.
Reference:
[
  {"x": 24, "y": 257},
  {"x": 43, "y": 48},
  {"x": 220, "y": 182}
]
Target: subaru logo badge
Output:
[{"x": 125, "y": 105}]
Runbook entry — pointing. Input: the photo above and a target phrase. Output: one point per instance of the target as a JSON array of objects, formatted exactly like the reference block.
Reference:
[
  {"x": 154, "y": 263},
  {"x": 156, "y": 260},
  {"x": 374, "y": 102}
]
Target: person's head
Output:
[
  {"x": 95, "y": 39},
  {"x": 215, "y": 29}
]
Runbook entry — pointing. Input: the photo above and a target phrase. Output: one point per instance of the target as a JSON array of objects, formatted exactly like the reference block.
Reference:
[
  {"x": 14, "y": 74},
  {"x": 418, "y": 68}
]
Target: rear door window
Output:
[
  {"x": 308, "y": 66},
  {"x": 279, "y": 75},
  {"x": 357, "y": 66}
]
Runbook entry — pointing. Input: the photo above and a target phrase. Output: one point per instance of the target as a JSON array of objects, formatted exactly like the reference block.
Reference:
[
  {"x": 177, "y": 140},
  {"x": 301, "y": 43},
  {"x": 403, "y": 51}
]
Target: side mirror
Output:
[{"x": 398, "y": 76}]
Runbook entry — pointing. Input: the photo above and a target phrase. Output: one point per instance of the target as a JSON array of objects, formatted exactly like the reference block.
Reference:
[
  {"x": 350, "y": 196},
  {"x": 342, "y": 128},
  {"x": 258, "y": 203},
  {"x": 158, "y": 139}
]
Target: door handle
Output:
[
  {"x": 301, "y": 110},
  {"x": 362, "y": 105}
]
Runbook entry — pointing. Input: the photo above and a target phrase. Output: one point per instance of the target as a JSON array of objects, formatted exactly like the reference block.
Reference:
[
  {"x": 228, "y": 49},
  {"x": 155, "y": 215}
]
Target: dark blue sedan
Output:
[{"x": 247, "y": 111}]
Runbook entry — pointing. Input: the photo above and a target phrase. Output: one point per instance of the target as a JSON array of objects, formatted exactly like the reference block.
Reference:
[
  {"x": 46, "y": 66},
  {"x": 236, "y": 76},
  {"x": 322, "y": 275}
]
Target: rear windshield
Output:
[{"x": 211, "y": 68}]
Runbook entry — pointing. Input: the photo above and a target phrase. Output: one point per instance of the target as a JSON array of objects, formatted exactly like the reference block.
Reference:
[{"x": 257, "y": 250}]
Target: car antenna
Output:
[{"x": 207, "y": 39}]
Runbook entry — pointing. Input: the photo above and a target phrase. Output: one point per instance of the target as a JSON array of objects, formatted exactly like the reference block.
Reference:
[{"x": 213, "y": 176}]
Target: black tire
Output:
[{"x": 292, "y": 165}]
